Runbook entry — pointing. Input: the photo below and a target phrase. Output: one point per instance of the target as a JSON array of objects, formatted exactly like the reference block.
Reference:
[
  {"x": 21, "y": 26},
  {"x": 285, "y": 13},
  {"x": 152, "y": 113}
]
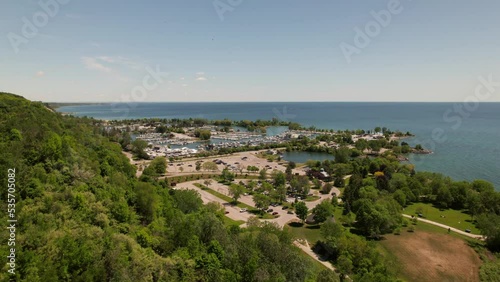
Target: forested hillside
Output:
[{"x": 83, "y": 216}]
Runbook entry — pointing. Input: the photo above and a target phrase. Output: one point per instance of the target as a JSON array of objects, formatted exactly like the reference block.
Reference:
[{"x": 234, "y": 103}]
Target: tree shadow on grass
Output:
[
  {"x": 316, "y": 226},
  {"x": 295, "y": 224}
]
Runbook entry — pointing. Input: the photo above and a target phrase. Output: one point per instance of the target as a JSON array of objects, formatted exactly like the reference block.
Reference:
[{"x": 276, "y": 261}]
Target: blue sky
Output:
[{"x": 256, "y": 50}]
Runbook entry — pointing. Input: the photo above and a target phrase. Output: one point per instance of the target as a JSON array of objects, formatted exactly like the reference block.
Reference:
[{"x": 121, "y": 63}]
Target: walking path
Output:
[
  {"x": 475, "y": 236},
  {"x": 307, "y": 249}
]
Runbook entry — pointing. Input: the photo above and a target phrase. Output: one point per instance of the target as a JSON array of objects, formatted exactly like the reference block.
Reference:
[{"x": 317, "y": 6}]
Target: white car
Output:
[{"x": 243, "y": 210}]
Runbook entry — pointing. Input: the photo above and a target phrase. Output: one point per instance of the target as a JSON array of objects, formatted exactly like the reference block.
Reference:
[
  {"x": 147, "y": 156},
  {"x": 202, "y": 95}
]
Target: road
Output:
[{"x": 475, "y": 236}]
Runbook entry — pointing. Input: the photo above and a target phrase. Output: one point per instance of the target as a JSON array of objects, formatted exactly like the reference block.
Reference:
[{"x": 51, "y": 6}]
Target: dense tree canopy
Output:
[{"x": 84, "y": 216}]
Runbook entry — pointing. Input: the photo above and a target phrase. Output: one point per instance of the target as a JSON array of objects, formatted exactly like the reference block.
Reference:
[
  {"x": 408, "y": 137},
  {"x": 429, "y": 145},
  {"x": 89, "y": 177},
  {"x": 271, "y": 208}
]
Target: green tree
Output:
[
  {"x": 327, "y": 188},
  {"x": 301, "y": 210},
  {"x": 490, "y": 271},
  {"x": 157, "y": 167},
  {"x": 316, "y": 183},
  {"x": 235, "y": 191},
  {"x": 209, "y": 166},
  {"x": 327, "y": 276},
  {"x": 203, "y": 134},
  {"x": 138, "y": 147},
  {"x": 489, "y": 224},
  {"x": 323, "y": 211},
  {"x": 227, "y": 176},
  {"x": 262, "y": 174},
  {"x": 444, "y": 197},
  {"x": 278, "y": 177},
  {"x": 261, "y": 201},
  {"x": 342, "y": 155},
  {"x": 400, "y": 197},
  {"x": 187, "y": 200},
  {"x": 344, "y": 265},
  {"x": 147, "y": 201}
]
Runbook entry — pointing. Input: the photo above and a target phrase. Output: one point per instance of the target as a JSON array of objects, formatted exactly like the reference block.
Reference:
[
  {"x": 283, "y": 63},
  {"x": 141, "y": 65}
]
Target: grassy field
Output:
[
  {"x": 309, "y": 232},
  {"x": 453, "y": 218},
  {"x": 430, "y": 254}
]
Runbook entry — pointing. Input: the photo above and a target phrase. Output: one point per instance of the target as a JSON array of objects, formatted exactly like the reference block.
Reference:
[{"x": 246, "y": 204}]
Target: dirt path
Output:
[{"x": 475, "y": 236}]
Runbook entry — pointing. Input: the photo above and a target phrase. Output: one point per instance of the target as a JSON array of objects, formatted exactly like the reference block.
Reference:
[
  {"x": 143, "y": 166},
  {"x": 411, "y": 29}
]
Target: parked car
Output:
[
  {"x": 289, "y": 212},
  {"x": 226, "y": 212},
  {"x": 284, "y": 207},
  {"x": 275, "y": 213},
  {"x": 270, "y": 210},
  {"x": 467, "y": 230},
  {"x": 274, "y": 204},
  {"x": 243, "y": 210}
]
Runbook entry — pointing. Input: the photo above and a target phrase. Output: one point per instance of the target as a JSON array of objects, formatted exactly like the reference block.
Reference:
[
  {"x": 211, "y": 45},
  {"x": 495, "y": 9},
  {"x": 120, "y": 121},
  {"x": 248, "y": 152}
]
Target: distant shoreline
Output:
[{"x": 59, "y": 105}]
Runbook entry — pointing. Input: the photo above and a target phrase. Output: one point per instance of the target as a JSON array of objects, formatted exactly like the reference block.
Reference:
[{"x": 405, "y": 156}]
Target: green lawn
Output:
[
  {"x": 453, "y": 218},
  {"x": 422, "y": 226},
  {"x": 309, "y": 232},
  {"x": 228, "y": 221},
  {"x": 311, "y": 198}
]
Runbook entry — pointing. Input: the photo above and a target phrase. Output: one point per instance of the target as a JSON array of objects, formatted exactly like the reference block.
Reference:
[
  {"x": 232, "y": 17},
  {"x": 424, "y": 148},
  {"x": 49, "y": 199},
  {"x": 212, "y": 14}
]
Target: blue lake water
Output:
[
  {"x": 302, "y": 157},
  {"x": 466, "y": 144}
]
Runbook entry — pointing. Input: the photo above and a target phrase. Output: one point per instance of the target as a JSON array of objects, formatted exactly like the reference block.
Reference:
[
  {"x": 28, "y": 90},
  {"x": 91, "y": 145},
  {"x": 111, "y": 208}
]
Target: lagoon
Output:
[{"x": 302, "y": 157}]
